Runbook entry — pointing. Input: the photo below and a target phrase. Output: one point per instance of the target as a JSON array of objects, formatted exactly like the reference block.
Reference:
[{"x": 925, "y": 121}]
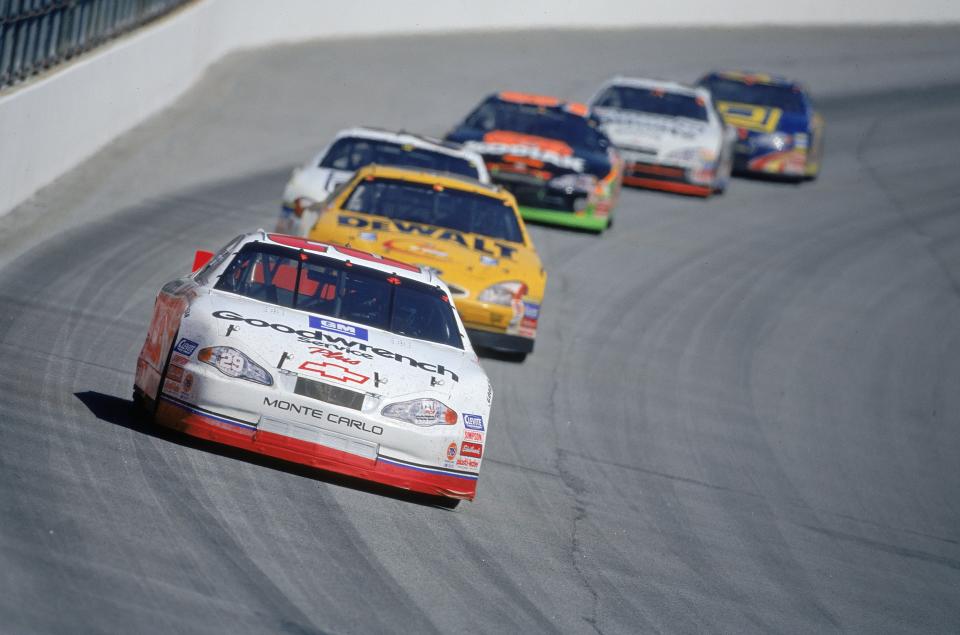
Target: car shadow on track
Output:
[
  {"x": 778, "y": 179},
  {"x": 503, "y": 356},
  {"x": 123, "y": 413}
]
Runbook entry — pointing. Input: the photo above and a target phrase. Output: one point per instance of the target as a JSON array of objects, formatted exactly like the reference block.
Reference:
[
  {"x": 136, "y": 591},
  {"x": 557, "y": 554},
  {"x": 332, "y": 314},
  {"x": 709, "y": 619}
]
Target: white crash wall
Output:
[{"x": 52, "y": 124}]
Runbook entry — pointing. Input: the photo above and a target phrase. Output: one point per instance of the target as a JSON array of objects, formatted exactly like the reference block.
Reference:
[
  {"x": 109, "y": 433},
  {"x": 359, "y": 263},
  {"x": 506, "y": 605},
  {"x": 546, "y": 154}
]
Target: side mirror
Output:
[{"x": 200, "y": 259}]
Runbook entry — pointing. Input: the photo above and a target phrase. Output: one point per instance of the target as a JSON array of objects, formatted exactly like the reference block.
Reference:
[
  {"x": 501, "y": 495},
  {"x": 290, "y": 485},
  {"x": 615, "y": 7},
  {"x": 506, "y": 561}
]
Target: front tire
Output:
[
  {"x": 446, "y": 502},
  {"x": 143, "y": 404}
]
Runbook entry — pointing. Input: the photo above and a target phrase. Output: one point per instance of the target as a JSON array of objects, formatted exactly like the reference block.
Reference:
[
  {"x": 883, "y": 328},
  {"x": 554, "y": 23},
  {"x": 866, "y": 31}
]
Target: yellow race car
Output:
[{"x": 469, "y": 233}]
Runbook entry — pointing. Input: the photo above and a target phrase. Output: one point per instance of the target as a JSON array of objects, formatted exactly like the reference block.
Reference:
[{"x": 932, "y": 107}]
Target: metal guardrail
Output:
[{"x": 38, "y": 34}]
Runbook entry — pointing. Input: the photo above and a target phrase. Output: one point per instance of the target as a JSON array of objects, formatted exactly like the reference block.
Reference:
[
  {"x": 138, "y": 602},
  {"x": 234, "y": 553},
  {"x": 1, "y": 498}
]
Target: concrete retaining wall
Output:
[{"x": 51, "y": 124}]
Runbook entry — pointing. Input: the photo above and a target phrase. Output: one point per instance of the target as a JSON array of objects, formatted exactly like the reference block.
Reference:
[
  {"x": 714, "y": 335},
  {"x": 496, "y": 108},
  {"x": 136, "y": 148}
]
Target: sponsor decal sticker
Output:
[
  {"x": 474, "y": 450},
  {"x": 175, "y": 373},
  {"x": 330, "y": 353},
  {"x": 473, "y": 436},
  {"x": 316, "y": 413},
  {"x": 179, "y": 359},
  {"x": 336, "y": 372},
  {"x": 552, "y": 151},
  {"x": 473, "y": 422},
  {"x": 319, "y": 338},
  {"x": 477, "y": 243},
  {"x": 415, "y": 247},
  {"x": 451, "y": 451},
  {"x": 326, "y": 324},
  {"x": 186, "y": 346},
  {"x": 468, "y": 462}
]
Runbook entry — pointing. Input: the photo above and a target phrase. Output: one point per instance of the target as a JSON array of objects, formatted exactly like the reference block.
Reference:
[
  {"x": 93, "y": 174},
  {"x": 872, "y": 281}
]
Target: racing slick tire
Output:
[
  {"x": 814, "y": 176},
  {"x": 145, "y": 406},
  {"x": 446, "y": 502}
]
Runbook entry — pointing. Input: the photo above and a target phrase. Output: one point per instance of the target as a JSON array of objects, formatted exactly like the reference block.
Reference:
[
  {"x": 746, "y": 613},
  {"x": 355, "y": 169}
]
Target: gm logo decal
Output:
[{"x": 326, "y": 324}]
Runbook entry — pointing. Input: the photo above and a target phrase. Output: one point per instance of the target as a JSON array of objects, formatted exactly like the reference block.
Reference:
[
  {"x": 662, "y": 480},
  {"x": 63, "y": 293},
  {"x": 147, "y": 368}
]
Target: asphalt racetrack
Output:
[{"x": 743, "y": 414}]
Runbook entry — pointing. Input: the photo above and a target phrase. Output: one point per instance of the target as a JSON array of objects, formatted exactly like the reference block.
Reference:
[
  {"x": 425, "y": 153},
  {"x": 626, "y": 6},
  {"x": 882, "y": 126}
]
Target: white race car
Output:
[
  {"x": 354, "y": 148},
  {"x": 320, "y": 355},
  {"x": 669, "y": 135}
]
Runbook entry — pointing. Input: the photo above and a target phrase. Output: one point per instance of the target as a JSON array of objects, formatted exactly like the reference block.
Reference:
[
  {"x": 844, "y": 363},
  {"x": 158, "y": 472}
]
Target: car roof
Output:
[
  {"x": 434, "y": 177},
  {"x": 347, "y": 254},
  {"x": 544, "y": 101},
  {"x": 658, "y": 84},
  {"x": 755, "y": 78},
  {"x": 404, "y": 137}
]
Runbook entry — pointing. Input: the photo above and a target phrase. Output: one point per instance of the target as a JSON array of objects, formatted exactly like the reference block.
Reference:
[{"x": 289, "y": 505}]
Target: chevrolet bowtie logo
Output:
[{"x": 334, "y": 371}]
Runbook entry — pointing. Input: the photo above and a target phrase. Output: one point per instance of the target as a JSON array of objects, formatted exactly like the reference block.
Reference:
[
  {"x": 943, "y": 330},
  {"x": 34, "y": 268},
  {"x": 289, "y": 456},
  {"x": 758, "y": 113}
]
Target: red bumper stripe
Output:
[
  {"x": 668, "y": 186},
  {"x": 423, "y": 479}
]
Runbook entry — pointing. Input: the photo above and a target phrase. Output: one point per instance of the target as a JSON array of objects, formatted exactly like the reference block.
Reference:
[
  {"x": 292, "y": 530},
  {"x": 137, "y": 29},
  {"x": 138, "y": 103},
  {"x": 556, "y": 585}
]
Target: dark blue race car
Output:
[
  {"x": 550, "y": 154},
  {"x": 778, "y": 131}
]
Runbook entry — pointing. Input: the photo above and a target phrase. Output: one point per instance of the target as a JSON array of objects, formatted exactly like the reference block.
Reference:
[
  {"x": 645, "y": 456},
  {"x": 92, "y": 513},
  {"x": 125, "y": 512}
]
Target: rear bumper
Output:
[
  {"x": 789, "y": 163},
  {"x": 578, "y": 220},
  {"x": 184, "y": 417},
  {"x": 665, "y": 178},
  {"x": 669, "y": 186},
  {"x": 510, "y": 329},
  {"x": 500, "y": 341},
  {"x": 540, "y": 204}
]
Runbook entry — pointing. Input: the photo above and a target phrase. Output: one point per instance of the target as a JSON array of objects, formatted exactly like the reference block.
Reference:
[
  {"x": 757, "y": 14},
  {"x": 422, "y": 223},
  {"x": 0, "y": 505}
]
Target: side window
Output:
[
  {"x": 262, "y": 276},
  {"x": 335, "y": 192},
  {"x": 346, "y": 154},
  {"x": 464, "y": 167},
  {"x": 361, "y": 199},
  {"x": 484, "y": 117},
  {"x": 610, "y": 98},
  {"x": 202, "y": 276}
]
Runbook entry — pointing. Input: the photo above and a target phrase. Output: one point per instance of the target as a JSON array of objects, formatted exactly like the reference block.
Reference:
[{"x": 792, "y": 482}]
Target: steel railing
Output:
[{"x": 38, "y": 34}]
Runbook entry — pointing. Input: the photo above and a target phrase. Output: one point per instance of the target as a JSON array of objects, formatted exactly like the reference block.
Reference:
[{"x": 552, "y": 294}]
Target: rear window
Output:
[
  {"x": 325, "y": 286},
  {"x": 353, "y": 153},
  {"x": 438, "y": 206},
  {"x": 653, "y": 101},
  {"x": 552, "y": 123},
  {"x": 785, "y": 98}
]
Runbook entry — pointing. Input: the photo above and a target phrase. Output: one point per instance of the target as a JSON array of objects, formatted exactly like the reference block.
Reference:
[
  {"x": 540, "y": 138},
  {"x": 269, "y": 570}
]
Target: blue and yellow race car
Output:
[{"x": 778, "y": 131}]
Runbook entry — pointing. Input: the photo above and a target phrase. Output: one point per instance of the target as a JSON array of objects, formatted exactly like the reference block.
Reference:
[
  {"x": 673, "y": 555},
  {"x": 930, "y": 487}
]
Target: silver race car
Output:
[
  {"x": 355, "y": 148},
  {"x": 670, "y": 136}
]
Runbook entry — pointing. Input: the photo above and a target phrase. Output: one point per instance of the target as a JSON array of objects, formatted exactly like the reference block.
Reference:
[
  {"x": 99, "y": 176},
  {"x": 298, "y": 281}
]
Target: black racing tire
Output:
[
  {"x": 150, "y": 406},
  {"x": 140, "y": 406},
  {"x": 446, "y": 502}
]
